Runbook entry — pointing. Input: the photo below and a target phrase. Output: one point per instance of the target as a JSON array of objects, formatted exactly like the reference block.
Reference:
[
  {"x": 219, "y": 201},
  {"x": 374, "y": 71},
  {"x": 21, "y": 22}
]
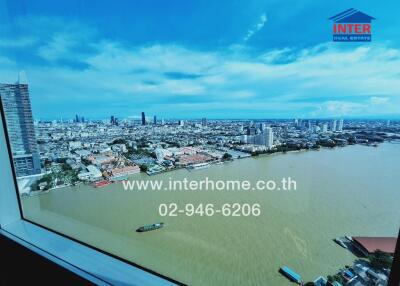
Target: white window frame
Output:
[{"x": 88, "y": 262}]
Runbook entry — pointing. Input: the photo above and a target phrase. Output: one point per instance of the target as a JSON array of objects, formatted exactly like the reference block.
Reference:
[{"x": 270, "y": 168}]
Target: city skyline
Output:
[
  {"x": 150, "y": 118},
  {"x": 260, "y": 61}
]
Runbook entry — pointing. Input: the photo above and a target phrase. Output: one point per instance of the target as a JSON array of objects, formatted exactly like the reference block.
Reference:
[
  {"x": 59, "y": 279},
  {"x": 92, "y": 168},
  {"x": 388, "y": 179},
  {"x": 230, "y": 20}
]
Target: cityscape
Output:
[{"x": 60, "y": 153}]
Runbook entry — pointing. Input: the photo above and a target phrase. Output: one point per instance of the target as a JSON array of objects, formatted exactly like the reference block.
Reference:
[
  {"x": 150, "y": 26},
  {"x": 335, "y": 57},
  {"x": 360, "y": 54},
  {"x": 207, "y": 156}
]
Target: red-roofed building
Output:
[
  {"x": 122, "y": 173},
  {"x": 368, "y": 245}
]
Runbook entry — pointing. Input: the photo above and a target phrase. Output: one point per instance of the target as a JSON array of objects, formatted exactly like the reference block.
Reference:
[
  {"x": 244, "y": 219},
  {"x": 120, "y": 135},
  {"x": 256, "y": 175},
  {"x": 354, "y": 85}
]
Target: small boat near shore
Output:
[
  {"x": 198, "y": 166},
  {"x": 349, "y": 238},
  {"x": 289, "y": 273},
  {"x": 150, "y": 227},
  {"x": 100, "y": 184},
  {"x": 340, "y": 241}
]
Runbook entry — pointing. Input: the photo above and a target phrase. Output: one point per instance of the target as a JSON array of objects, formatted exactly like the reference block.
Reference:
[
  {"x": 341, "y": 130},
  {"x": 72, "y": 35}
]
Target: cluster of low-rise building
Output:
[{"x": 113, "y": 150}]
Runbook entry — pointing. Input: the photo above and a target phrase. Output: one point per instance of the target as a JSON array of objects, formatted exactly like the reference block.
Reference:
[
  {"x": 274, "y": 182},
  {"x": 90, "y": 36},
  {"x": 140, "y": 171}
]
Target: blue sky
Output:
[{"x": 193, "y": 59}]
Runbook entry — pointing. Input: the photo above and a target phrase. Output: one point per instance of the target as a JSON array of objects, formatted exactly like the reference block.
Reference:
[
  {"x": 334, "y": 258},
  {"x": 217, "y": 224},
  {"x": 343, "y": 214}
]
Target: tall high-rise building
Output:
[
  {"x": 143, "y": 119},
  {"x": 309, "y": 125},
  {"x": 333, "y": 125},
  {"x": 155, "y": 120},
  {"x": 204, "y": 121},
  {"x": 269, "y": 137},
  {"x": 21, "y": 132},
  {"x": 324, "y": 128},
  {"x": 251, "y": 130},
  {"x": 340, "y": 125},
  {"x": 112, "y": 120}
]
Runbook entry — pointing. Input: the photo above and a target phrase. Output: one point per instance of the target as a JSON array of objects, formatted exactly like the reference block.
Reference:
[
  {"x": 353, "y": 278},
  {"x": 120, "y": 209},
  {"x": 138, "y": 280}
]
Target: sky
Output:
[{"x": 194, "y": 59}]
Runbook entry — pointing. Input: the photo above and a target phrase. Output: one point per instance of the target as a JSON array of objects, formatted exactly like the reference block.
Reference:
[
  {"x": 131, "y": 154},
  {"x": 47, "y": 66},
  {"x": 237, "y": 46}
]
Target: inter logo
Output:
[{"x": 352, "y": 26}]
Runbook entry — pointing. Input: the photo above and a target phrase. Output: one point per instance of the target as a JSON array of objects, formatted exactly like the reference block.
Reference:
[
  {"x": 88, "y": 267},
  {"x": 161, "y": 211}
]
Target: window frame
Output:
[{"x": 87, "y": 261}]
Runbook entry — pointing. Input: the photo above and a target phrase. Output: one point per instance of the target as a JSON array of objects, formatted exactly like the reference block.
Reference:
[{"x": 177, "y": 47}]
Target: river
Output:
[{"x": 343, "y": 191}]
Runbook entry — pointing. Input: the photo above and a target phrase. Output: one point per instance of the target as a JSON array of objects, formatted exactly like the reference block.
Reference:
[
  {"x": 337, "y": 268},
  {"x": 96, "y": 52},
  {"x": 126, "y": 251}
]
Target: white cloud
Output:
[
  {"x": 257, "y": 27},
  {"x": 324, "y": 80},
  {"x": 379, "y": 100}
]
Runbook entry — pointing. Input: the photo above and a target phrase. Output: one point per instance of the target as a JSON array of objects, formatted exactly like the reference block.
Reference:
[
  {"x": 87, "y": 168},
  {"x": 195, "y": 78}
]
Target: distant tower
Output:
[
  {"x": 333, "y": 125},
  {"x": 324, "y": 128},
  {"x": 143, "y": 119},
  {"x": 250, "y": 130},
  {"x": 155, "y": 120},
  {"x": 269, "y": 137},
  {"x": 112, "y": 120},
  {"x": 309, "y": 125},
  {"x": 19, "y": 121},
  {"x": 340, "y": 125},
  {"x": 204, "y": 121}
]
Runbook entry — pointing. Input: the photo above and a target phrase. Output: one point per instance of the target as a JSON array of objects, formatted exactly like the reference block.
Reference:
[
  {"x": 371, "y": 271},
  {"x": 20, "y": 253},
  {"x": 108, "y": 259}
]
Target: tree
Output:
[
  {"x": 119, "y": 141},
  {"x": 380, "y": 259},
  {"x": 144, "y": 168},
  {"x": 65, "y": 167},
  {"x": 226, "y": 157}
]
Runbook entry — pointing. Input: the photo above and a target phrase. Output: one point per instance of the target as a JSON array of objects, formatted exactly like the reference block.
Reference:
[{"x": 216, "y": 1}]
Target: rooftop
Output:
[{"x": 371, "y": 244}]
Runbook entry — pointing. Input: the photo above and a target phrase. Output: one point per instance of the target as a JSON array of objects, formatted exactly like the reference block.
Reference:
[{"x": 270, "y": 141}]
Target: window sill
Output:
[{"x": 90, "y": 264}]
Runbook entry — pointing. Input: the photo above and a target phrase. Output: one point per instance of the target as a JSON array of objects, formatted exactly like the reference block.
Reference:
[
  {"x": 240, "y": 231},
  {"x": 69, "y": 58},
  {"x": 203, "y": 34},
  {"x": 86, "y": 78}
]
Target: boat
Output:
[
  {"x": 340, "y": 242},
  {"x": 349, "y": 238},
  {"x": 289, "y": 273},
  {"x": 119, "y": 178},
  {"x": 150, "y": 227},
  {"x": 198, "y": 166},
  {"x": 100, "y": 184}
]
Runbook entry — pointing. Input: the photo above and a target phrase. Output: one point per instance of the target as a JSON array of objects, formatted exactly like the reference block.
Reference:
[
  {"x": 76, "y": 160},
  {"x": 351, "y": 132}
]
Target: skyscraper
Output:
[
  {"x": 21, "y": 132},
  {"x": 155, "y": 120},
  {"x": 333, "y": 125},
  {"x": 143, "y": 119},
  {"x": 204, "y": 121},
  {"x": 269, "y": 137},
  {"x": 251, "y": 130},
  {"x": 340, "y": 126},
  {"x": 309, "y": 125}
]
